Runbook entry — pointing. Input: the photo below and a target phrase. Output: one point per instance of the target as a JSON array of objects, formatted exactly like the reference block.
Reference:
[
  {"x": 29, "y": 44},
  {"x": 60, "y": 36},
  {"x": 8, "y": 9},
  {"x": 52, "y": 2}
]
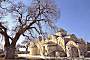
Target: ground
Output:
[{"x": 27, "y": 57}]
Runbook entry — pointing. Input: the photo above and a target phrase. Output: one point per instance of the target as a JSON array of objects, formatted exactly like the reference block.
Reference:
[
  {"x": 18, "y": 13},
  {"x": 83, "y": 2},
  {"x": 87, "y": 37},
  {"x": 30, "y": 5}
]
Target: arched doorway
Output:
[
  {"x": 53, "y": 49},
  {"x": 72, "y": 49}
]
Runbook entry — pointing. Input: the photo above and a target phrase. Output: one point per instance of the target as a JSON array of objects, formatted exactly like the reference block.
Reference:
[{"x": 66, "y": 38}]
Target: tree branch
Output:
[{"x": 35, "y": 29}]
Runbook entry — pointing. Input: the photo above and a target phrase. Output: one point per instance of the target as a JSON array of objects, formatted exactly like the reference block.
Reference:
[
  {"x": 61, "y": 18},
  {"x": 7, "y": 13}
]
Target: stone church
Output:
[{"x": 61, "y": 44}]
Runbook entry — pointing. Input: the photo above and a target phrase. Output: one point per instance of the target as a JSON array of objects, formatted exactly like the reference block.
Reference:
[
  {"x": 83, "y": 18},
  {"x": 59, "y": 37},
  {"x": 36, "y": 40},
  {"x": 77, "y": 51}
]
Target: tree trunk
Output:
[{"x": 9, "y": 52}]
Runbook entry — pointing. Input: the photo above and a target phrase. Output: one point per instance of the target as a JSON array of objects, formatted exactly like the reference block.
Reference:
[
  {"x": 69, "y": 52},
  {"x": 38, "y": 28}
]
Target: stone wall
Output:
[{"x": 70, "y": 46}]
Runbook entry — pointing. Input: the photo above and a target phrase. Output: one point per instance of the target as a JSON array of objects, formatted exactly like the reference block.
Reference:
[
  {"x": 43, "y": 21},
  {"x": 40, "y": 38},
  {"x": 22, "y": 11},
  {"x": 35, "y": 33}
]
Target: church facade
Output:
[{"x": 61, "y": 44}]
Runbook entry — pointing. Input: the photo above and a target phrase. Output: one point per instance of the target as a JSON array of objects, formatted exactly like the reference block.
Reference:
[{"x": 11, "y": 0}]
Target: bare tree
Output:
[{"x": 28, "y": 21}]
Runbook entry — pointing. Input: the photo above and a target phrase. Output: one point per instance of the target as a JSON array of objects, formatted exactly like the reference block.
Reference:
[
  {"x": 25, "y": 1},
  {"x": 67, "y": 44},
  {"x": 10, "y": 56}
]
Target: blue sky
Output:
[{"x": 75, "y": 17}]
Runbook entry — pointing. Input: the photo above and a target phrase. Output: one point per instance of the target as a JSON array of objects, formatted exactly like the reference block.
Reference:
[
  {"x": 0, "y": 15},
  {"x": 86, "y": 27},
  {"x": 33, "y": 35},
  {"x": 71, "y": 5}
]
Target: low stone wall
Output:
[{"x": 45, "y": 57}]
